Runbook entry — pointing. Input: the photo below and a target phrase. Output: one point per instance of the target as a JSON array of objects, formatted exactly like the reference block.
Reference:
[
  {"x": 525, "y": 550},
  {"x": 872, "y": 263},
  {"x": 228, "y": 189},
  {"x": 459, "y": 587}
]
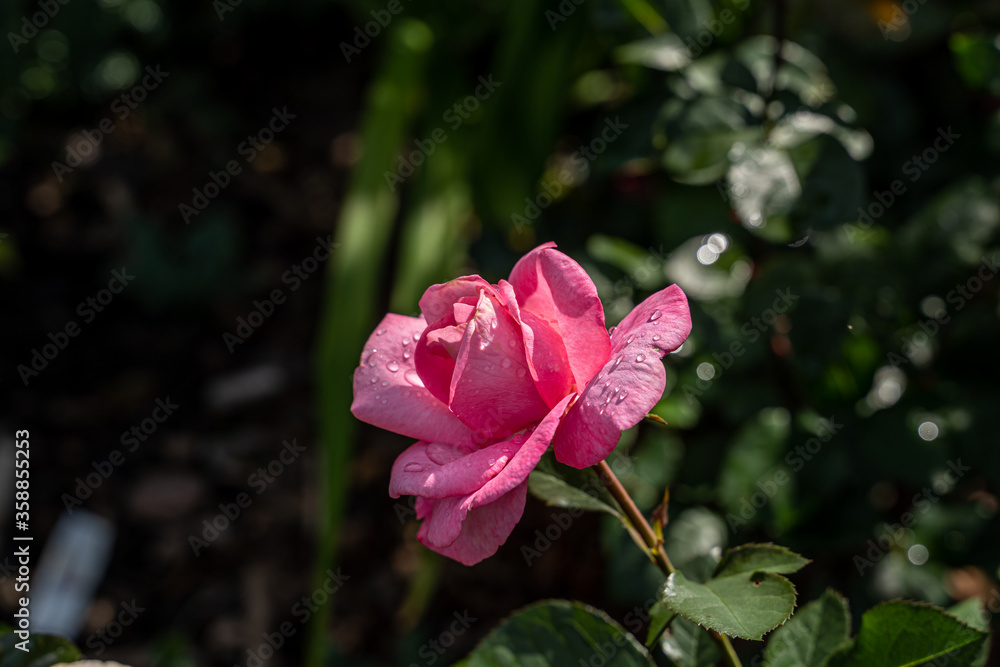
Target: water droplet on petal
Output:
[
  {"x": 656, "y": 315},
  {"x": 656, "y": 337},
  {"x": 505, "y": 363},
  {"x": 413, "y": 467},
  {"x": 406, "y": 341},
  {"x": 640, "y": 357},
  {"x": 622, "y": 394},
  {"x": 492, "y": 462},
  {"x": 406, "y": 355},
  {"x": 412, "y": 377},
  {"x": 378, "y": 396},
  {"x": 416, "y": 337},
  {"x": 393, "y": 366},
  {"x": 384, "y": 401},
  {"x": 385, "y": 383},
  {"x": 618, "y": 361},
  {"x": 380, "y": 331},
  {"x": 630, "y": 339},
  {"x": 521, "y": 372},
  {"x": 505, "y": 450},
  {"x": 374, "y": 380},
  {"x": 612, "y": 331},
  {"x": 511, "y": 343}
]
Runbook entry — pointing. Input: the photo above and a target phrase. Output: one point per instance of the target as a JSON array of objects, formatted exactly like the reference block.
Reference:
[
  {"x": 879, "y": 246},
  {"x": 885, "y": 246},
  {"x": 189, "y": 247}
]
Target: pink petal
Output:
[
  {"x": 437, "y": 470},
  {"x": 554, "y": 288},
  {"x": 525, "y": 459},
  {"x": 389, "y": 394},
  {"x": 483, "y": 530},
  {"x": 417, "y": 471},
  {"x": 491, "y": 389},
  {"x": 433, "y": 360},
  {"x": 629, "y": 385},
  {"x": 544, "y": 350},
  {"x": 438, "y": 300},
  {"x": 456, "y": 526}
]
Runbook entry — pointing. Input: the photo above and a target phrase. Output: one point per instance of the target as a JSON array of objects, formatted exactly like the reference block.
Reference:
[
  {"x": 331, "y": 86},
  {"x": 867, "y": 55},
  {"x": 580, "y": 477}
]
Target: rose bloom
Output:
[{"x": 489, "y": 375}]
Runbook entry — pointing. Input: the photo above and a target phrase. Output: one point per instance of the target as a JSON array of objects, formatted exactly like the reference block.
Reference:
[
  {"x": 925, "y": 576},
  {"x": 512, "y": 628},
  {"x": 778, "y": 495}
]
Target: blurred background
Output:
[{"x": 206, "y": 208}]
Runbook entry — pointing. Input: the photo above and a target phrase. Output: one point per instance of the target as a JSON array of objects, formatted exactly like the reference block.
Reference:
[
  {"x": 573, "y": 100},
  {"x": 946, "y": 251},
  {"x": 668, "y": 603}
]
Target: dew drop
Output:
[
  {"x": 656, "y": 337},
  {"x": 406, "y": 355},
  {"x": 413, "y": 467},
  {"x": 412, "y": 377},
  {"x": 505, "y": 363},
  {"x": 416, "y": 337},
  {"x": 521, "y": 372},
  {"x": 622, "y": 394},
  {"x": 492, "y": 462},
  {"x": 618, "y": 360},
  {"x": 612, "y": 331},
  {"x": 406, "y": 341},
  {"x": 630, "y": 339},
  {"x": 384, "y": 401},
  {"x": 640, "y": 357},
  {"x": 374, "y": 380},
  {"x": 505, "y": 450},
  {"x": 393, "y": 366},
  {"x": 655, "y": 316},
  {"x": 385, "y": 383},
  {"x": 378, "y": 396},
  {"x": 380, "y": 331},
  {"x": 511, "y": 343}
]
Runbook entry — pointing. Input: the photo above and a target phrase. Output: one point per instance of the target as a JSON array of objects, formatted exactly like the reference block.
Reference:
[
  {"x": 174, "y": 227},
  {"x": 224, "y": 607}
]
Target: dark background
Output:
[{"x": 873, "y": 84}]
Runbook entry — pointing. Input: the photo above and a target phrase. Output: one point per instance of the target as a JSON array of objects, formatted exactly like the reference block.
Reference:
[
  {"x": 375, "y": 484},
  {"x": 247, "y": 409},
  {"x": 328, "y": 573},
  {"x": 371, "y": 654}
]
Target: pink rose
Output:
[{"x": 489, "y": 375}]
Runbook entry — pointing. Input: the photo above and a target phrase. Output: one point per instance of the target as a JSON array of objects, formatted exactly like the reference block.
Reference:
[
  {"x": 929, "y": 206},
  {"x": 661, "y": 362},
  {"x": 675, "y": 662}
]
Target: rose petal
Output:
[
  {"x": 395, "y": 399},
  {"x": 629, "y": 385},
  {"x": 483, "y": 529},
  {"x": 417, "y": 473},
  {"x": 438, "y": 300},
  {"x": 433, "y": 357},
  {"x": 449, "y": 515},
  {"x": 491, "y": 389},
  {"x": 554, "y": 288},
  {"x": 544, "y": 350},
  {"x": 437, "y": 470}
]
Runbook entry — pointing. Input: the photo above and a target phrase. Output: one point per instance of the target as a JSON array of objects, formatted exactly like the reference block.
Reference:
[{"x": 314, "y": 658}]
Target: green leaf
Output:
[
  {"x": 690, "y": 646},
  {"x": 561, "y": 486},
  {"x": 907, "y": 634},
  {"x": 971, "y": 611},
  {"x": 556, "y": 633},
  {"x": 745, "y": 605},
  {"x": 760, "y": 557},
  {"x": 812, "y": 635},
  {"x": 660, "y": 616},
  {"x": 43, "y": 650}
]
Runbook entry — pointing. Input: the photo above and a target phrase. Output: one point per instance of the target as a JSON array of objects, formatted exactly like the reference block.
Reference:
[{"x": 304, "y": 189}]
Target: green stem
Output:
[{"x": 655, "y": 545}]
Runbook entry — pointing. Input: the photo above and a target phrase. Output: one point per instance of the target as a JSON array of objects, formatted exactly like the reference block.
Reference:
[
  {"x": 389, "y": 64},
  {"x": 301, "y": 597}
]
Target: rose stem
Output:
[{"x": 655, "y": 545}]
